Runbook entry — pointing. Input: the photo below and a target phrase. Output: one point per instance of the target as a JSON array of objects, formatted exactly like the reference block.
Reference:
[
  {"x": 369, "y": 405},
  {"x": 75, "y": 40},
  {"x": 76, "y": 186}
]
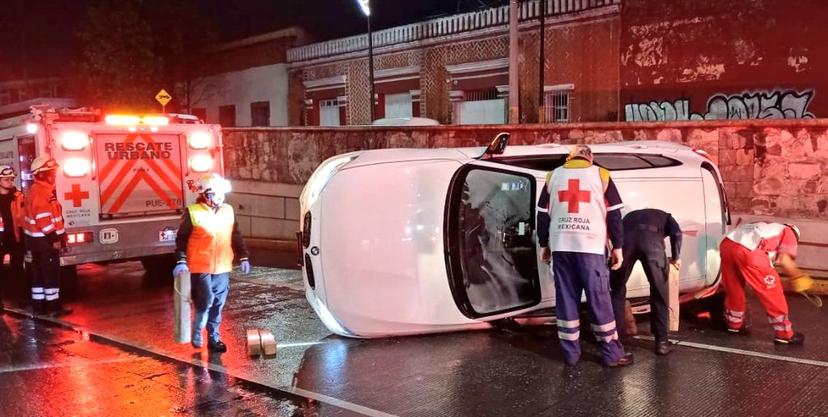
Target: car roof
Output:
[{"x": 376, "y": 156}]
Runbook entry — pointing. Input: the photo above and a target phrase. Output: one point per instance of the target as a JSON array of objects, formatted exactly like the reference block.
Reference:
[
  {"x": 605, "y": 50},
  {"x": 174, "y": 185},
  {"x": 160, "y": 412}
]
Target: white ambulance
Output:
[{"x": 124, "y": 180}]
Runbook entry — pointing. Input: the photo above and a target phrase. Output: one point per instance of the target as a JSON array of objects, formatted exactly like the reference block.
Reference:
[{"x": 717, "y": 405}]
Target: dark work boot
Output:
[
  {"x": 55, "y": 309},
  {"x": 216, "y": 346},
  {"x": 663, "y": 347},
  {"x": 38, "y": 307},
  {"x": 626, "y": 360},
  {"x": 796, "y": 339}
]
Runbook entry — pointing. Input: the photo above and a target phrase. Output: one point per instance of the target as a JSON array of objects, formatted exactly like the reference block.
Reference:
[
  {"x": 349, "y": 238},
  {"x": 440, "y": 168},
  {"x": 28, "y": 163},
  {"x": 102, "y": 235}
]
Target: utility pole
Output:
[
  {"x": 514, "y": 104},
  {"x": 542, "y": 64},
  {"x": 365, "y": 6}
]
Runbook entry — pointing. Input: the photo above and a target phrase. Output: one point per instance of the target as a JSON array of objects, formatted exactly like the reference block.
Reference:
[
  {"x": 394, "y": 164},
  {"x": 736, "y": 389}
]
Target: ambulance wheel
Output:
[{"x": 159, "y": 267}]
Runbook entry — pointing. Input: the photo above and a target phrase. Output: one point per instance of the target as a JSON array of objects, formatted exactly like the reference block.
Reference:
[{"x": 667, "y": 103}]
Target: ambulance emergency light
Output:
[
  {"x": 132, "y": 120},
  {"x": 76, "y": 167},
  {"x": 201, "y": 163},
  {"x": 74, "y": 141},
  {"x": 199, "y": 140}
]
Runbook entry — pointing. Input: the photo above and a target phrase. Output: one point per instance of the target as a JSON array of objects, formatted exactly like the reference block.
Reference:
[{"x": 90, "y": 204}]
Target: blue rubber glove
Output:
[
  {"x": 245, "y": 267},
  {"x": 181, "y": 268}
]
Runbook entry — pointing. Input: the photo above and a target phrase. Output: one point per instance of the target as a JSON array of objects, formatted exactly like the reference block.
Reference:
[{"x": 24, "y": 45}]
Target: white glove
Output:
[{"x": 181, "y": 268}]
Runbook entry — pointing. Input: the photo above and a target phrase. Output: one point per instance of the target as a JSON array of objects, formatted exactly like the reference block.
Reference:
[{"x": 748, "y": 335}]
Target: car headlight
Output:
[{"x": 320, "y": 178}]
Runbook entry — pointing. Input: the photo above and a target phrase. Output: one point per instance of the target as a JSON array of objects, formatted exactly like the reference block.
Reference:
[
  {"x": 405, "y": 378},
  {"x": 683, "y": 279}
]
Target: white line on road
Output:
[
  {"x": 741, "y": 352},
  {"x": 218, "y": 368}
]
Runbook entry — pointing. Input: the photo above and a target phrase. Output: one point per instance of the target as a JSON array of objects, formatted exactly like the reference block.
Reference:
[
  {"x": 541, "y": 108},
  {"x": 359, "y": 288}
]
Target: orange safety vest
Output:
[
  {"x": 18, "y": 215},
  {"x": 43, "y": 213},
  {"x": 209, "y": 248}
]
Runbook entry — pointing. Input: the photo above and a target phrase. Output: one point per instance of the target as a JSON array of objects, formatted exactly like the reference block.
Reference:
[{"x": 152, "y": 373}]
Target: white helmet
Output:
[
  {"x": 795, "y": 230},
  {"x": 7, "y": 171},
  {"x": 43, "y": 163},
  {"x": 580, "y": 151},
  {"x": 213, "y": 183}
]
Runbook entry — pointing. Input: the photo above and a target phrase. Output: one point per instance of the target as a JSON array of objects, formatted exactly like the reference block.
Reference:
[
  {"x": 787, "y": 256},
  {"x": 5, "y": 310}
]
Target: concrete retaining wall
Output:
[{"x": 772, "y": 170}]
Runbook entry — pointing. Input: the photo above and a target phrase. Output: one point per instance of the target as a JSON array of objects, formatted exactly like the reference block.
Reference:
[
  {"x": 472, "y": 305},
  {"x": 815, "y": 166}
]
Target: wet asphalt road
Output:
[{"x": 134, "y": 367}]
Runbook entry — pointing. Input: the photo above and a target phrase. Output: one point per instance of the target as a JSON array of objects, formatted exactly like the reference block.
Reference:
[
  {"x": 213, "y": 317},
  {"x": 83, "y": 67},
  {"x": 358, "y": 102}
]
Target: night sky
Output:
[{"x": 45, "y": 28}]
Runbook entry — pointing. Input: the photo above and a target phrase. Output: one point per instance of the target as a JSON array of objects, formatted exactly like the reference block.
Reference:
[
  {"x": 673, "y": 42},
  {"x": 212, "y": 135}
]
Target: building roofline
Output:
[
  {"x": 464, "y": 25},
  {"x": 296, "y": 32}
]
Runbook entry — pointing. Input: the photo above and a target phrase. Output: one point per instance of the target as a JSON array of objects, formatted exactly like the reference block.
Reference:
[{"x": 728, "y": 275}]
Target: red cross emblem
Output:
[
  {"x": 76, "y": 195},
  {"x": 574, "y": 196}
]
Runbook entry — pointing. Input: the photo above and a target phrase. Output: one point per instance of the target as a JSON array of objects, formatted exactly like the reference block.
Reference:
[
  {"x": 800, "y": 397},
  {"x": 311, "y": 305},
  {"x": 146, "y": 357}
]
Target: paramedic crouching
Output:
[{"x": 207, "y": 241}]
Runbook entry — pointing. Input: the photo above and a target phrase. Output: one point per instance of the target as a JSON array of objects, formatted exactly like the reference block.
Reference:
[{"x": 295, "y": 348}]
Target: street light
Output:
[{"x": 365, "y": 6}]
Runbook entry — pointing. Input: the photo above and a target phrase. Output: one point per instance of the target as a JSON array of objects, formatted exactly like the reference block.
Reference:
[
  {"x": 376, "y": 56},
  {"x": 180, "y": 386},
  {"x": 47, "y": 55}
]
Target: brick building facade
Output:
[{"x": 605, "y": 60}]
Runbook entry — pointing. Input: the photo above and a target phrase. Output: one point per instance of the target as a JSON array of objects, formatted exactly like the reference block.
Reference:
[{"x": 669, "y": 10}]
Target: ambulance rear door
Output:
[{"x": 139, "y": 173}]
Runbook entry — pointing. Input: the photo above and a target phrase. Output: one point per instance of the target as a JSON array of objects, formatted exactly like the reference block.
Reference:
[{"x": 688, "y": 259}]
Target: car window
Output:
[
  {"x": 658, "y": 161},
  {"x": 540, "y": 163},
  {"x": 492, "y": 224},
  {"x": 610, "y": 161}
]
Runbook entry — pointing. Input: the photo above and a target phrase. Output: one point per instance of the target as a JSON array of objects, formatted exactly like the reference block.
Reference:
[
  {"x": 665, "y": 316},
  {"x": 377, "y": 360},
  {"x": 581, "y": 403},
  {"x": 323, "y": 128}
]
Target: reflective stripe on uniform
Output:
[
  {"x": 569, "y": 336},
  {"x": 52, "y": 294},
  {"x": 42, "y": 215},
  {"x": 569, "y": 324},
  {"x": 734, "y": 316},
  {"x": 603, "y": 327},
  {"x": 607, "y": 339},
  {"x": 37, "y": 293}
]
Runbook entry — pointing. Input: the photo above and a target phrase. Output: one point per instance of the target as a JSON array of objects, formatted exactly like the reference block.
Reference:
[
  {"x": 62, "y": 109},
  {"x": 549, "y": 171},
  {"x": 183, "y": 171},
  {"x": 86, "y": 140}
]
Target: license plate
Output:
[{"x": 166, "y": 236}]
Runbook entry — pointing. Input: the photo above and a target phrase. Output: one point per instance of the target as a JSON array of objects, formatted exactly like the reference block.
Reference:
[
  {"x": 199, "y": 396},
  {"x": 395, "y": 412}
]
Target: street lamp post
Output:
[{"x": 365, "y": 6}]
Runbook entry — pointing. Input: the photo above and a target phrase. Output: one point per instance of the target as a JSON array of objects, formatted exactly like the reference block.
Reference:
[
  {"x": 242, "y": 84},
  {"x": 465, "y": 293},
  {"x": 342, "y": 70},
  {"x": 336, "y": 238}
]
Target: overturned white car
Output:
[{"x": 412, "y": 241}]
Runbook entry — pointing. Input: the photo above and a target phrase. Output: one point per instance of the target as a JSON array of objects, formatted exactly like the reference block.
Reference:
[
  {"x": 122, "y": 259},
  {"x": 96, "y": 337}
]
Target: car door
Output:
[{"x": 490, "y": 244}]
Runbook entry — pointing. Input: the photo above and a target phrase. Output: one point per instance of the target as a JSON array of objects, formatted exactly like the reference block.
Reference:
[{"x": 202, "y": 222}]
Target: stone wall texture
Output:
[{"x": 770, "y": 168}]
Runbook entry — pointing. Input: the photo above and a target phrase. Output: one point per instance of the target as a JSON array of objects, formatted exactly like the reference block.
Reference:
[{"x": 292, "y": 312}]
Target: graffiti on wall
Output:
[{"x": 776, "y": 104}]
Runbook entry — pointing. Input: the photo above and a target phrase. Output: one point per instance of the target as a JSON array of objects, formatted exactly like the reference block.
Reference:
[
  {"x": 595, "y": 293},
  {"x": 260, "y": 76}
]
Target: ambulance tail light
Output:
[
  {"x": 201, "y": 163},
  {"x": 79, "y": 238},
  {"x": 74, "y": 141},
  {"x": 76, "y": 167},
  {"x": 200, "y": 140}
]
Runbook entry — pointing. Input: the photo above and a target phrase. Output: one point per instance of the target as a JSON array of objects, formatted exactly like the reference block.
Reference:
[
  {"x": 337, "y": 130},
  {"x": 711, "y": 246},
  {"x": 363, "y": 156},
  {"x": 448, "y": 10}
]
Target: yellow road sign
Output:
[{"x": 163, "y": 97}]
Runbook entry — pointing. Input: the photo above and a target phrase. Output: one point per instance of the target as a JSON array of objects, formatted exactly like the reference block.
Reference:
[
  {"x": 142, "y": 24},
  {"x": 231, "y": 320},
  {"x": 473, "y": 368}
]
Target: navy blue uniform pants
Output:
[
  {"x": 209, "y": 292},
  {"x": 576, "y": 273},
  {"x": 45, "y": 274}
]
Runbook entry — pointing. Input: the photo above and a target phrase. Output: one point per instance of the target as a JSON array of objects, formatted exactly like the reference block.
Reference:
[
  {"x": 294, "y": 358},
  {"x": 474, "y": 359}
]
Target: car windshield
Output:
[{"x": 491, "y": 223}]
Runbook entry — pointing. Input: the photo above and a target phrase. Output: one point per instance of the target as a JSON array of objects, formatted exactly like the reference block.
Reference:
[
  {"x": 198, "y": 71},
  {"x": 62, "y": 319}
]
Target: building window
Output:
[
  {"x": 200, "y": 112},
  {"x": 481, "y": 107},
  {"x": 329, "y": 113},
  {"x": 260, "y": 113},
  {"x": 227, "y": 116},
  {"x": 398, "y": 105},
  {"x": 556, "y": 105}
]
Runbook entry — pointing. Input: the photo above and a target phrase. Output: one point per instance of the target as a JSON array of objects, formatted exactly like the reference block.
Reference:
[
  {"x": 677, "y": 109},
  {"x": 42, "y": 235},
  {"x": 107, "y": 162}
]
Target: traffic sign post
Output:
[{"x": 163, "y": 97}]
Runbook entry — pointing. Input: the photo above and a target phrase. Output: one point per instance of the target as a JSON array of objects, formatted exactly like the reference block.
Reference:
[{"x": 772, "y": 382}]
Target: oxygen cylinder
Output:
[{"x": 183, "y": 325}]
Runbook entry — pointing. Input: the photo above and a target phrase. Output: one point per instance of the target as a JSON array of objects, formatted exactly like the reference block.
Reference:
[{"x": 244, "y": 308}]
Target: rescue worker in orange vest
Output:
[
  {"x": 206, "y": 243},
  {"x": 45, "y": 237},
  {"x": 11, "y": 219},
  {"x": 748, "y": 255}
]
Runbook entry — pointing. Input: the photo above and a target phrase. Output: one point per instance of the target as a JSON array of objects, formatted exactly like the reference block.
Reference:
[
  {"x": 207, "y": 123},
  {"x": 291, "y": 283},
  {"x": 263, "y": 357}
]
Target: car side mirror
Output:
[{"x": 497, "y": 146}]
